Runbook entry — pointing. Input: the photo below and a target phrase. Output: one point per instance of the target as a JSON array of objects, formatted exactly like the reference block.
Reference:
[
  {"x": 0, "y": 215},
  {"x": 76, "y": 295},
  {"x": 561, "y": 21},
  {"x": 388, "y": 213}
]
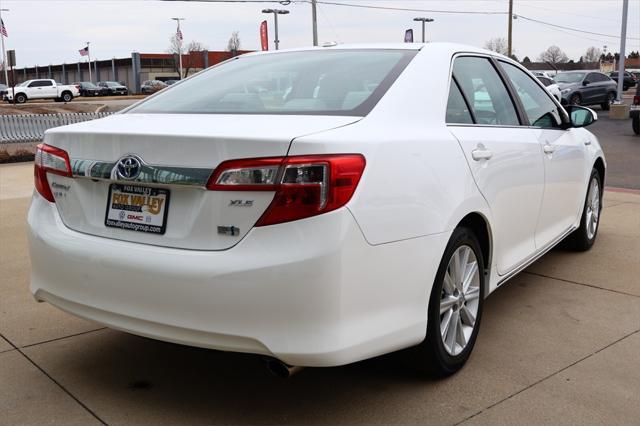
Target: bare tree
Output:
[
  {"x": 553, "y": 55},
  {"x": 592, "y": 54},
  {"x": 497, "y": 44},
  {"x": 176, "y": 47},
  {"x": 234, "y": 42}
]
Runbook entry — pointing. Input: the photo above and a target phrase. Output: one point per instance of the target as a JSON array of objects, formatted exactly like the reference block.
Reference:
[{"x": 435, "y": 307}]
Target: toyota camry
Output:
[{"x": 316, "y": 206}]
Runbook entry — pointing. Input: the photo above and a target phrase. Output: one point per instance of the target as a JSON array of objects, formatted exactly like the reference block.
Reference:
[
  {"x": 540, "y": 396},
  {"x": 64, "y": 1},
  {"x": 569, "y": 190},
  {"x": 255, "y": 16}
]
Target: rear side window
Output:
[
  {"x": 327, "y": 82},
  {"x": 457, "y": 109},
  {"x": 485, "y": 91},
  {"x": 540, "y": 109}
]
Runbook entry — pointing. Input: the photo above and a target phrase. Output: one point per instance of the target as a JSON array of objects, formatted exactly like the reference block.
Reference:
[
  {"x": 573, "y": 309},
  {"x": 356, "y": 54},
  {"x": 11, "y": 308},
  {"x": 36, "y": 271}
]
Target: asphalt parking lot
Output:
[{"x": 558, "y": 344}]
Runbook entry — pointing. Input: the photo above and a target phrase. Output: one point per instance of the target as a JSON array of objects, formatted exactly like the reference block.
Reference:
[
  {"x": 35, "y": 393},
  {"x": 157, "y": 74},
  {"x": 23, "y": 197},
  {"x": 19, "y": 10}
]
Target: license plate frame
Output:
[{"x": 130, "y": 215}]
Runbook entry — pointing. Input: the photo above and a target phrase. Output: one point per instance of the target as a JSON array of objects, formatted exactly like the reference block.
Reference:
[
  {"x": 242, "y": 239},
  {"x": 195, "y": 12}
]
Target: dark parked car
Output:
[
  {"x": 635, "y": 111},
  {"x": 88, "y": 89},
  {"x": 113, "y": 88},
  {"x": 586, "y": 88},
  {"x": 152, "y": 86},
  {"x": 628, "y": 81}
]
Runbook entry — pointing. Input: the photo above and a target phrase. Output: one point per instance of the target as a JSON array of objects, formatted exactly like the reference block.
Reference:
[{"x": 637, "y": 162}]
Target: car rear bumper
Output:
[{"x": 311, "y": 292}]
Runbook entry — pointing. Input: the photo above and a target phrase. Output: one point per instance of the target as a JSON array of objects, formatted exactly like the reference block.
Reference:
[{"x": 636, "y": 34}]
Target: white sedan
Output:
[{"x": 317, "y": 206}]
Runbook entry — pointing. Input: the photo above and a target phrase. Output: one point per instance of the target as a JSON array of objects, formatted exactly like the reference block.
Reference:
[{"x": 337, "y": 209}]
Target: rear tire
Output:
[
  {"x": 67, "y": 97},
  {"x": 454, "y": 302},
  {"x": 635, "y": 123},
  {"x": 582, "y": 239},
  {"x": 606, "y": 106}
]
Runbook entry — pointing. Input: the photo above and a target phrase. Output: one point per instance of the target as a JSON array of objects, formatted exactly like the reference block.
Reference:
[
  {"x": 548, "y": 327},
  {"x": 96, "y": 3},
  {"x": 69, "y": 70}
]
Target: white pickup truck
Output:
[{"x": 42, "y": 89}]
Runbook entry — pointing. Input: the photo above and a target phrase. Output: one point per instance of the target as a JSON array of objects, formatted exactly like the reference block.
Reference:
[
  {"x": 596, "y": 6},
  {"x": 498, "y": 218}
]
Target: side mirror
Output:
[
  {"x": 586, "y": 82},
  {"x": 581, "y": 116}
]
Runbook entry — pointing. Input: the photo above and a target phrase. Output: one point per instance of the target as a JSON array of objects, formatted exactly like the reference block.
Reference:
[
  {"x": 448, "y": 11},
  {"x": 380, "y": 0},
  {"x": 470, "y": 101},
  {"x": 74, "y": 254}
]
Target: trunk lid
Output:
[{"x": 177, "y": 153}]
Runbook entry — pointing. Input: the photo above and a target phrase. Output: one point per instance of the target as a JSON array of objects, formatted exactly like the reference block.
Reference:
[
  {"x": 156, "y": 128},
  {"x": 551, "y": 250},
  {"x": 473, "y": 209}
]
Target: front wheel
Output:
[
  {"x": 455, "y": 308},
  {"x": 582, "y": 239},
  {"x": 21, "y": 98},
  {"x": 575, "y": 99}
]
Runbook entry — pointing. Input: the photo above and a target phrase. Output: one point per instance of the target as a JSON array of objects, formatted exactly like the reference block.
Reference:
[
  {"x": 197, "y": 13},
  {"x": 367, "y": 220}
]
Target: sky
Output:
[{"x": 52, "y": 31}]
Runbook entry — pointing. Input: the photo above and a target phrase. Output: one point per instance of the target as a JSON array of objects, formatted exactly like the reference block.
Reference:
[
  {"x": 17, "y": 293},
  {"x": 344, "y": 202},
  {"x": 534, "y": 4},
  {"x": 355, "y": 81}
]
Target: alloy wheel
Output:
[
  {"x": 593, "y": 208},
  {"x": 459, "y": 300}
]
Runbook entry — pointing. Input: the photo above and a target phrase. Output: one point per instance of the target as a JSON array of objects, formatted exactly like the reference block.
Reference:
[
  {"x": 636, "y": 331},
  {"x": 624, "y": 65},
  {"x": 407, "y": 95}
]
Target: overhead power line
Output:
[
  {"x": 572, "y": 29},
  {"x": 404, "y": 9}
]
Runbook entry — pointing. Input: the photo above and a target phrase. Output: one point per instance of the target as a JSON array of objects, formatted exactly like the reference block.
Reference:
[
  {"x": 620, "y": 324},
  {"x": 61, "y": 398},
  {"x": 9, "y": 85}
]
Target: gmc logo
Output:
[{"x": 134, "y": 217}]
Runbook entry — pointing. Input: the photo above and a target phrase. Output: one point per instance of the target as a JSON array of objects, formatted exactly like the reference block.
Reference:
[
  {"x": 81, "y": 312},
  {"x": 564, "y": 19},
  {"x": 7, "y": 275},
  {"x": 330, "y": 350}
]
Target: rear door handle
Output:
[
  {"x": 481, "y": 154},
  {"x": 548, "y": 149},
  {"x": 587, "y": 141}
]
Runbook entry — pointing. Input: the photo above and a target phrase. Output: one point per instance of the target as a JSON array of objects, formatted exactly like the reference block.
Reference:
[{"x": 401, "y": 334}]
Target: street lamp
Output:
[
  {"x": 276, "y": 12},
  {"x": 424, "y": 21}
]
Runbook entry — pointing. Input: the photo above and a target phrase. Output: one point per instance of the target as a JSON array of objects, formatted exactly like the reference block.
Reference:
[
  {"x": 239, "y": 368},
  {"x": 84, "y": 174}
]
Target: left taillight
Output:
[
  {"x": 49, "y": 159},
  {"x": 304, "y": 186}
]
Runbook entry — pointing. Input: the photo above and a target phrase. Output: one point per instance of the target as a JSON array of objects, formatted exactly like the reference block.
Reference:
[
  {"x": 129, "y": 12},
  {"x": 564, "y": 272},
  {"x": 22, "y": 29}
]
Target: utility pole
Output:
[
  {"x": 623, "y": 41},
  {"x": 179, "y": 36},
  {"x": 276, "y": 12},
  {"x": 4, "y": 54},
  {"x": 89, "y": 58},
  {"x": 510, "y": 38},
  {"x": 424, "y": 21},
  {"x": 314, "y": 22}
]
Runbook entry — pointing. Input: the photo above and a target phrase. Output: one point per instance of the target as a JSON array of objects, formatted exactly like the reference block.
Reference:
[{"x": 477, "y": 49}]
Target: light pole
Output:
[
  {"x": 424, "y": 21},
  {"x": 4, "y": 54},
  {"x": 276, "y": 12},
  {"x": 179, "y": 36},
  {"x": 89, "y": 59},
  {"x": 623, "y": 40}
]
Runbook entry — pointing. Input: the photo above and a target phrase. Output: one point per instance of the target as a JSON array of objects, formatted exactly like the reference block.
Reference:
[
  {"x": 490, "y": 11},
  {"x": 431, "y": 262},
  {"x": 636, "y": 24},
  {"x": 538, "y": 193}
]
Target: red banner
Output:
[{"x": 264, "y": 36}]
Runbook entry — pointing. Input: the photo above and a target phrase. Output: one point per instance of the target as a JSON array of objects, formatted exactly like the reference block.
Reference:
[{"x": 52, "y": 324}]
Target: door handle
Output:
[
  {"x": 548, "y": 149},
  {"x": 587, "y": 141},
  {"x": 481, "y": 154}
]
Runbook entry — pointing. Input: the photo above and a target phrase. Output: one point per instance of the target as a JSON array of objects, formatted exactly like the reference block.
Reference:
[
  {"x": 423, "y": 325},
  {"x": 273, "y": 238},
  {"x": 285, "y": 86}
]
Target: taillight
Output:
[
  {"x": 636, "y": 100},
  {"x": 304, "y": 186},
  {"x": 49, "y": 159}
]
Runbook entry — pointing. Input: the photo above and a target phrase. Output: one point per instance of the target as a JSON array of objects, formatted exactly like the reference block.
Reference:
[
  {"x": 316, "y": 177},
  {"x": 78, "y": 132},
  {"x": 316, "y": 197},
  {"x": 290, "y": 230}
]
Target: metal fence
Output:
[{"x": 31, "y": 127}]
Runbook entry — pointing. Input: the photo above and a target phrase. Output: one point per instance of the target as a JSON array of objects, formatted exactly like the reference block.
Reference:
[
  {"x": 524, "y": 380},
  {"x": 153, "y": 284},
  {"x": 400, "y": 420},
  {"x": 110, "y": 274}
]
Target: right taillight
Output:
[
  {"x": 49, "y": 159},
  {"x": 636, "y": 100},
  {"x": 304, "y": 186}
]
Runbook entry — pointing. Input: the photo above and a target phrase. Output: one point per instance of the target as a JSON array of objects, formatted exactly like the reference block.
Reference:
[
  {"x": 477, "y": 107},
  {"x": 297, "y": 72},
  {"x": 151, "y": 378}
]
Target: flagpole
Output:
[
  {"x": 89, "y": 57},
  {"x": 4, "y": 53},
  {"x": 179, "y": 35}
]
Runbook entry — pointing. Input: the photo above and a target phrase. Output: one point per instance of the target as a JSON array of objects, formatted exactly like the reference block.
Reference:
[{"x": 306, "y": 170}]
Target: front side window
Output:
[
  {"x": 329, "y": 82},
  {"x": 540, "y": 109},
  {"x": 485, "y": 91}
]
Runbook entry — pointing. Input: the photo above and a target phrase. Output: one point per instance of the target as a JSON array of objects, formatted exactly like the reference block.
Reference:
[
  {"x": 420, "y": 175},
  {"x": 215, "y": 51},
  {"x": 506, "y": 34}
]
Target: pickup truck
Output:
[{"x": 42, "y": 89}]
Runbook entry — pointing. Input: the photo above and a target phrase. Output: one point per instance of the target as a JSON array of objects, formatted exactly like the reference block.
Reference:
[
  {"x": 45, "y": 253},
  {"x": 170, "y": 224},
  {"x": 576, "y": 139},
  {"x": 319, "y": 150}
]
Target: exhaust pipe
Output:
[{"x": 282, "y": 370}]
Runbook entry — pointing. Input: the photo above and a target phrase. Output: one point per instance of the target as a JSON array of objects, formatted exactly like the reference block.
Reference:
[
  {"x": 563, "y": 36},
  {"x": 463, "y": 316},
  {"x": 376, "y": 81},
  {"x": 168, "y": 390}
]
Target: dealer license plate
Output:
[{"x": 137, "y": 208}]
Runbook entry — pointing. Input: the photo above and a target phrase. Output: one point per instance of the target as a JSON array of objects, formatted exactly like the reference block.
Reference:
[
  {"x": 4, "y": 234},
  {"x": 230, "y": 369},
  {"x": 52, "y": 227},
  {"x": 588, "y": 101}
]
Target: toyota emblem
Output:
[{"x": 129, "y": 167}]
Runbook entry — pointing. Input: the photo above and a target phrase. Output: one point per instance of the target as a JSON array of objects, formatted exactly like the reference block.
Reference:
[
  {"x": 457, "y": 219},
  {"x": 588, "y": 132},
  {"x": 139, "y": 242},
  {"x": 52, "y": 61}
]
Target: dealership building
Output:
[{"x": 130, "y": 71}]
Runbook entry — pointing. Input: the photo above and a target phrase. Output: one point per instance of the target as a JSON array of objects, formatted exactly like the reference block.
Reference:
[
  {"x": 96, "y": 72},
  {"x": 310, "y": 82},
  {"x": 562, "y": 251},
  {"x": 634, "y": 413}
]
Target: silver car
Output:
[{"x": 586, "y": 88}]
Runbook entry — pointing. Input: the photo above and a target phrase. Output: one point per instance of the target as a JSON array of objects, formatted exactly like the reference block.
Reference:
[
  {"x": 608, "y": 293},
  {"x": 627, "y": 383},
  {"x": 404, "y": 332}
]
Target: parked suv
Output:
[
  {"x": 88, "y": 89},
  {"x": 152, "y": 86},
  {"x": 113, "y": 88},
  {"x": 586, "y": 88},
  {"x": 628, "y": 81}
]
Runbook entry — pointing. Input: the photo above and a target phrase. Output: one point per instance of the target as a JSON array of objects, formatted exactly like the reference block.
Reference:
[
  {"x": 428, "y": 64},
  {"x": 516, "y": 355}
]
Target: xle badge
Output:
[{"x": 240, "y": 203}]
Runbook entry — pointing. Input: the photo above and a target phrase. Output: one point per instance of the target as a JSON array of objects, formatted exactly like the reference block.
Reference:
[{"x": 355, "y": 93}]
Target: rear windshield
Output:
[{"x": 320, "y": 82}]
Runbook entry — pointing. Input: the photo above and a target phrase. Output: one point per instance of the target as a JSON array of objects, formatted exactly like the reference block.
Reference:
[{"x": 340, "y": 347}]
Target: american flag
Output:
[
  {"x": 3, "y": 30},
  {"x": 84, "y": 52},
  {"x": 179, "y": 34}
]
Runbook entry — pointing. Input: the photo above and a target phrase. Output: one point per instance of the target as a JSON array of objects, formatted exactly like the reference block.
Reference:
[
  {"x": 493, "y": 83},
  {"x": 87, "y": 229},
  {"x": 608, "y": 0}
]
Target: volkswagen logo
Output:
[{"x": 129, "y": 167}]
